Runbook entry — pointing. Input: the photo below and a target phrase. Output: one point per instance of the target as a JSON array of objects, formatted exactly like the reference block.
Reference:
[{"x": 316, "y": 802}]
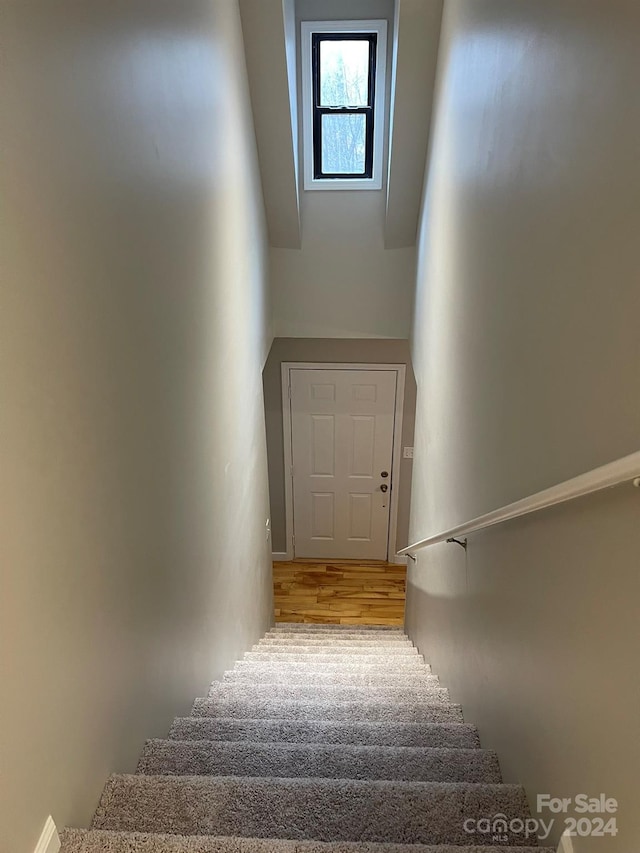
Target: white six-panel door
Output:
[{"x": 342, "y": 424}]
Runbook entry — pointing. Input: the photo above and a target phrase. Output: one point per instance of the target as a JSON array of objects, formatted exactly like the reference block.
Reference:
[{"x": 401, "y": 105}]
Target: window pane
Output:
[
  {"x": 344, "y": 73},
  {"x": 343, "y": 144}
]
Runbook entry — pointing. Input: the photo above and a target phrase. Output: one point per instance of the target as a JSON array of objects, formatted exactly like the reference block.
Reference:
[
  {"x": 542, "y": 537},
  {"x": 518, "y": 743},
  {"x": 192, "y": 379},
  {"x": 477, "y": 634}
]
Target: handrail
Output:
[{"x": 615, "y": 473}]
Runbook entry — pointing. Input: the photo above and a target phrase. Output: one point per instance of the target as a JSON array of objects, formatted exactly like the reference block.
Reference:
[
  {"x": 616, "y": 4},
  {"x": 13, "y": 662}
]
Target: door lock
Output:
[{"x": 384, "y": 473}]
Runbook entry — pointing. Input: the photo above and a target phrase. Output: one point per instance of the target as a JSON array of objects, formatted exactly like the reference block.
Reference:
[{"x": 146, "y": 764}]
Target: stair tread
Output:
[
  {"x": 270, "y": 676},
  {"x": 450, "y": 734},
  {"x": 341, "y": 647},
  {"x": 303, "y": 808},
  {"x": 104, "y": 841},
  {"x": 335, "y": 665},
  {"x": 252, "y": 758},
  {"x": 428, "y": 711},
  {"x": 334, "y": 626},
  {"x": 357, "y": 639},
  {"x": 337, "y": 657},
  {"x": 386, "y": 653},
  {"x": 330, "y": 692}
]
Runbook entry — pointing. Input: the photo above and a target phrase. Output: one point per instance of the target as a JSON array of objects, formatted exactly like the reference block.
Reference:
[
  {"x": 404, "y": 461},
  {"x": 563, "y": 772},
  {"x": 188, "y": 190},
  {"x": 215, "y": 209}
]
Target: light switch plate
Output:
[{"x": 407, "y": 453}]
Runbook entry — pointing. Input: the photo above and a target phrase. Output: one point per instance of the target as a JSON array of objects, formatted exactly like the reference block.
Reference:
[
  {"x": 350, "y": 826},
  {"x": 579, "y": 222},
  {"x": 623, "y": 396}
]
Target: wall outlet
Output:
[{"x": 407, "y": 453}]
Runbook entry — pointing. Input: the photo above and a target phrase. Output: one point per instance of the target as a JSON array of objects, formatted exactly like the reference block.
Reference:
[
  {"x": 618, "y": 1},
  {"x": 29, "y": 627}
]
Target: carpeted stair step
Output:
[
  {"x": 323, "y": 739},
  {"x": 328, "y": 627},
  {"x": 338, "y": 637},
  {"x": 336, "y": 656},
  {"x": 334, "y": 627},
  {"x": 324, "y": 647},
  {"x": 327, "y": 692},
  {"x": 290, "y": 709},
  {"x": 319, "y": 639},
  {"x": 319, "y": 809},
  {"x": 101, "y": 841},
  {"x": 312, "y": 665},
  {"x": 247, "y": 758},
  {"x": 386, "y": 651},
  {"x": 351, "y": 732},
  {"x": 366, "y": 679},
  {"x": 341, "y": 640}
]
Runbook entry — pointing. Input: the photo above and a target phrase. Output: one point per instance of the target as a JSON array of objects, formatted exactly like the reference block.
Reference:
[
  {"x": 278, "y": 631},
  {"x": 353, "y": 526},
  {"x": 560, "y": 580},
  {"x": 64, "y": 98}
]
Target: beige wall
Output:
[
  {"x": 342, "y": 282},
  {"x": 268, "y": 28},
  {"x": 527, "y": 359},
  {"x": 415, "y": 55},
  {"x": 331, "y": 350},
  {"x": 135, "y": 565}
]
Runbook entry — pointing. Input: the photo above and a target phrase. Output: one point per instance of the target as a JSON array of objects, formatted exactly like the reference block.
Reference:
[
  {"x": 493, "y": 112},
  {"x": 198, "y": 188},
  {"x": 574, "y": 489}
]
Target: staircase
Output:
[{"x": 323, "y": 739}]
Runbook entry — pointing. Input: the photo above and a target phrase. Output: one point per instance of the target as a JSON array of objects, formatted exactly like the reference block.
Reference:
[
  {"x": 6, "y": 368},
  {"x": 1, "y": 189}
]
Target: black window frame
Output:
[{"x": 318, "y": 110}]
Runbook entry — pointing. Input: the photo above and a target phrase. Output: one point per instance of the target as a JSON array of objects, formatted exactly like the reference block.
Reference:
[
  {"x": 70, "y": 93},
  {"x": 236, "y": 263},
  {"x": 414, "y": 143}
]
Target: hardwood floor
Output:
[{"x": 344, "y": 592}]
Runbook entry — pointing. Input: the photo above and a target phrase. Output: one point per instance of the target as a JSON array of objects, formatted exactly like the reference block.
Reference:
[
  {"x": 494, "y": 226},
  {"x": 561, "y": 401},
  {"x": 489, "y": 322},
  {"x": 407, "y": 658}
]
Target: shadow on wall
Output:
[
  {"x": 133, "y": 334},
  {"x": 535, "y": 631}
]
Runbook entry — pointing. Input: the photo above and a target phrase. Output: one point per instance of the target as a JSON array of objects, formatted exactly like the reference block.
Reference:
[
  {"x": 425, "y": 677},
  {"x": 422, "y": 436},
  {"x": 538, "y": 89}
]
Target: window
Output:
[
  {"x": 343, "y": 76},
  {"x": 343, "y": 103}
]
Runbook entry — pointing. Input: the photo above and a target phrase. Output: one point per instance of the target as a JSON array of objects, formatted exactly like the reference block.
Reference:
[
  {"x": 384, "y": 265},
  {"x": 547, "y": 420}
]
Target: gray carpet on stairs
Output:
[
  {"x": 350, "y": 649},
  {"x": 247, "y": 758},
  {"x": 318, "y": 809},
  {"x": 354, "y": 732},
  {"x": 342, "y": 667},
  {"x": 323, "y": 739},
  {"x": 431, "y": 711},
  {"x": 302, "y": 655},
  {"x": 352, "y": 678},
  {"x": 426, "y": 692},
  {"x": 333, "y": 628},
  {"x": 355, "y": 640},
  {"x": 92, "y": 841}
]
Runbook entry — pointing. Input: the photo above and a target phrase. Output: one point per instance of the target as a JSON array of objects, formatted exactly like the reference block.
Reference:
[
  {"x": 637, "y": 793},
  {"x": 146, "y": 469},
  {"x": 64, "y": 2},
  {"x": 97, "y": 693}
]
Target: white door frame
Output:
[{"x": 400, "y": 370}]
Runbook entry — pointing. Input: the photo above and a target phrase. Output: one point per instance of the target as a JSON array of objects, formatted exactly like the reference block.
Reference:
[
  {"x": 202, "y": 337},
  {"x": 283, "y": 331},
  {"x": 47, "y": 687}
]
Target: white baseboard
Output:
[
  {"x": 400, "y": 559},
  {"x": 566, "y": 844},
  {"x": 49, "y": 841},
  {"x": 280, "y": 556}
]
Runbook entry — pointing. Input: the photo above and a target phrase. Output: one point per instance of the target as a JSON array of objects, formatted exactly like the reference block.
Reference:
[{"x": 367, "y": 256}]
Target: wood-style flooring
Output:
[{"x": 343, "y": 592}]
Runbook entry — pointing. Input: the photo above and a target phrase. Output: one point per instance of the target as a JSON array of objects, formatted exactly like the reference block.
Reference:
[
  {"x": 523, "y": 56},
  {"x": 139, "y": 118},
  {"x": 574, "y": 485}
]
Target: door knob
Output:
[{"x": 384, "y": 487}]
